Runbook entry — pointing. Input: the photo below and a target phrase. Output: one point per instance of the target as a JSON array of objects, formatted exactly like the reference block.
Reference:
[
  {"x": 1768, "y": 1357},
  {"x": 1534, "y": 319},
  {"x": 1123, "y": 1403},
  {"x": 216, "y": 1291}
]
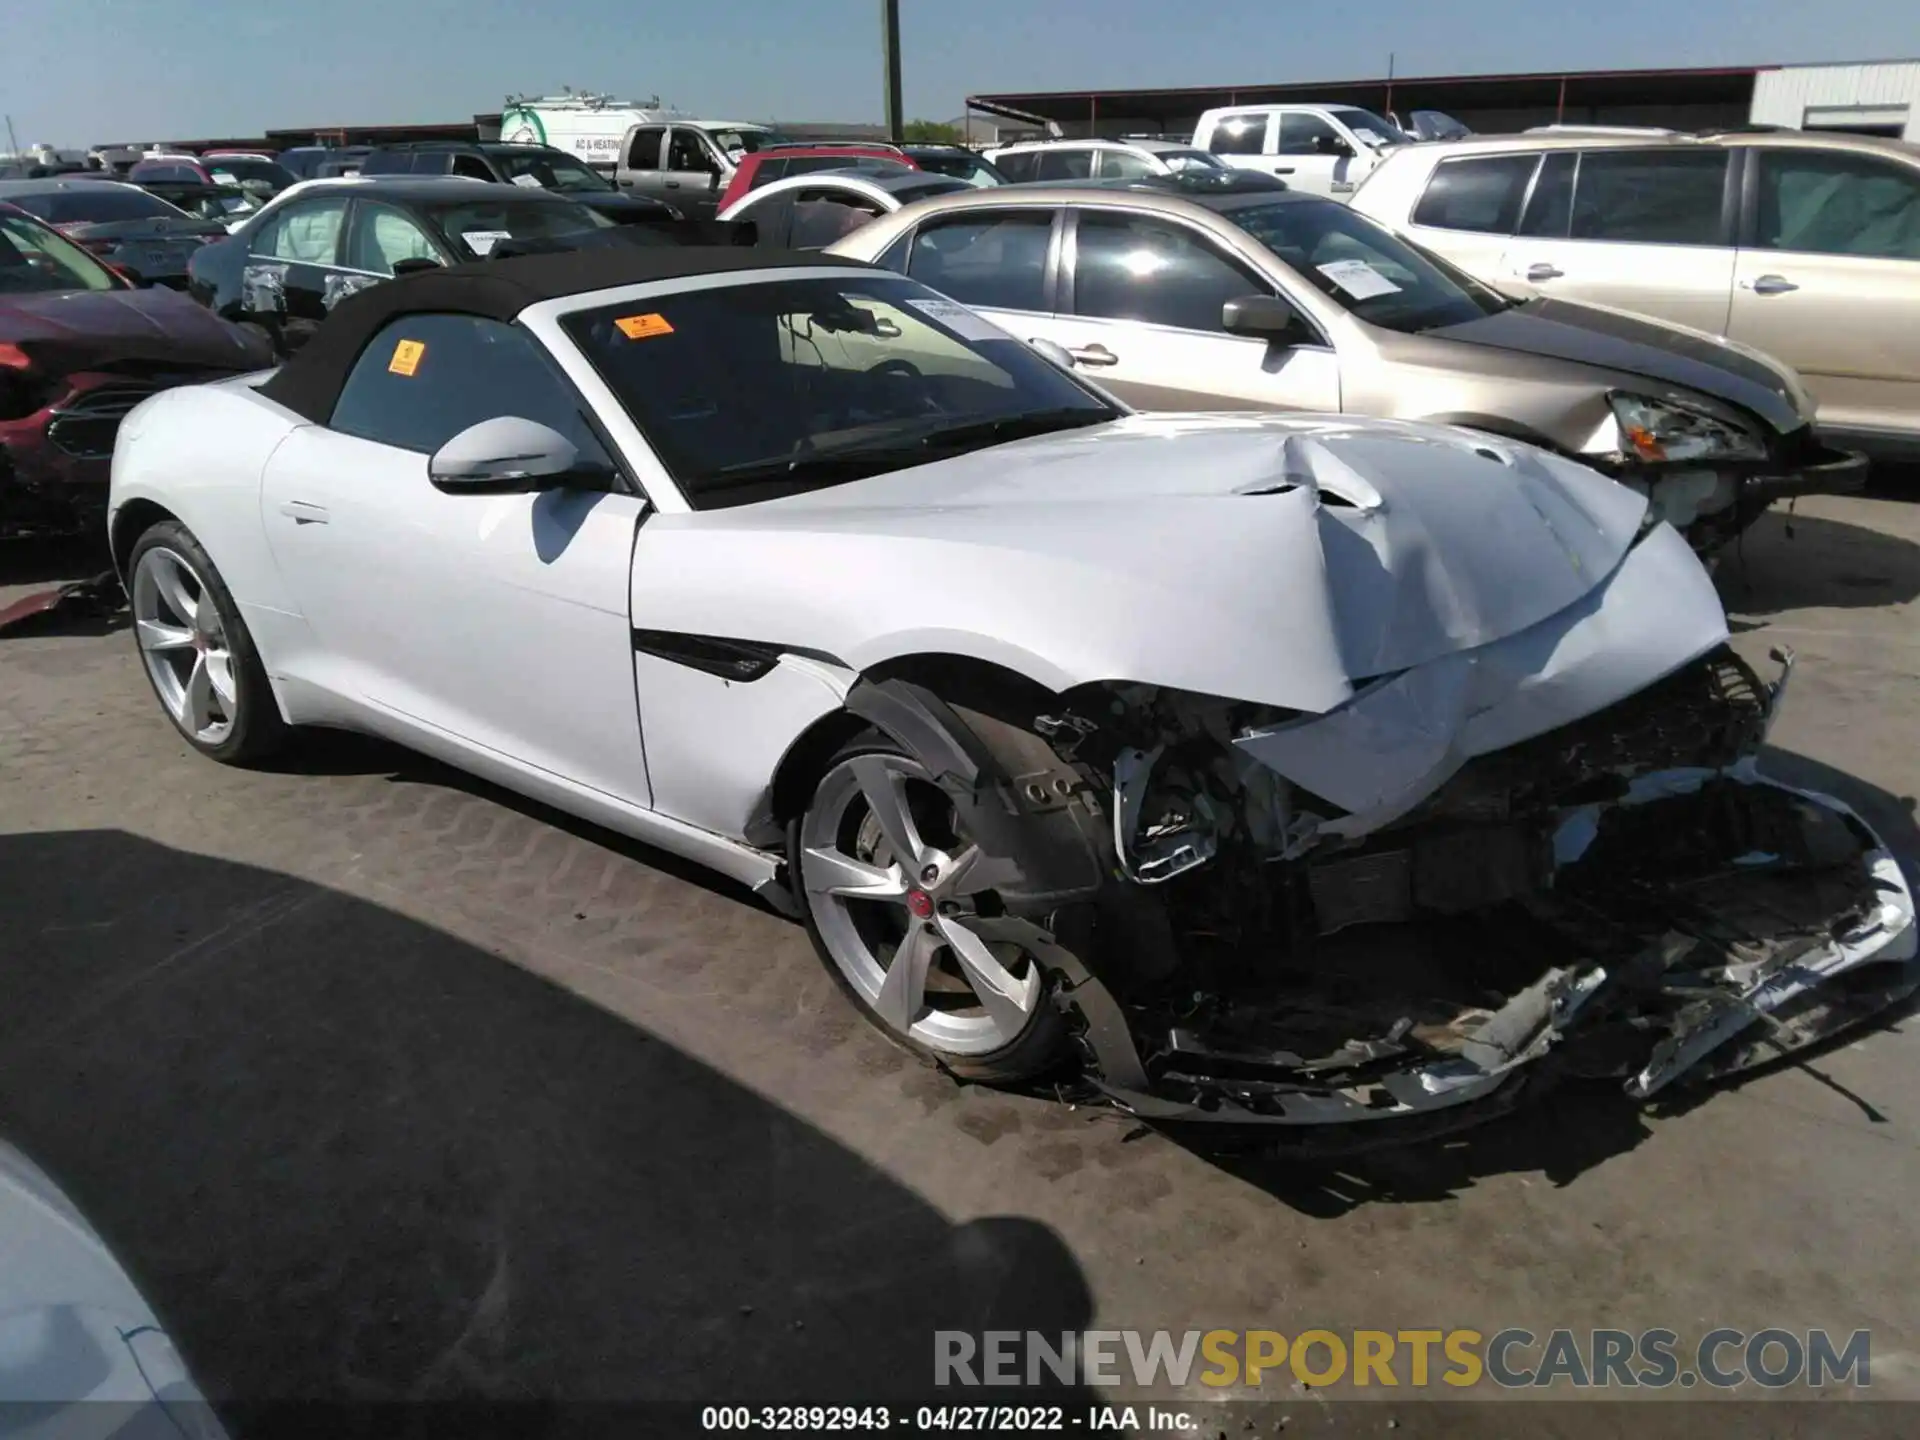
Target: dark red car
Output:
[
  {"x": 80, "y": 346},
  {"x": 780, "y": 162}
]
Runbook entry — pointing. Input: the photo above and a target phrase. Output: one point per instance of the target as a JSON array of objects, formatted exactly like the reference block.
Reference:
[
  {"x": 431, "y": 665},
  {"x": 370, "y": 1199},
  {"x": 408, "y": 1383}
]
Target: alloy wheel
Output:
[
  {"x": 184, "y": 644},
  {"x": 901, "y": 903}
]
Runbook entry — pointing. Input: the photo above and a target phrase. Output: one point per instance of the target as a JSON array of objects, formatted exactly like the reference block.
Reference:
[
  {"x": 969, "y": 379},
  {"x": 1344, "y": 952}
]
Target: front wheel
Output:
[
  {"x": 196, "y": 649},
  {"x": 896, "y": 905}
]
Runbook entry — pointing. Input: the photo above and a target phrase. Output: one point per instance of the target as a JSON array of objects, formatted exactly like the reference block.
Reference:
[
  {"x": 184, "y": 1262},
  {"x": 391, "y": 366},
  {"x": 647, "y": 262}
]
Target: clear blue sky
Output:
[{"x": 83, "y": 71}]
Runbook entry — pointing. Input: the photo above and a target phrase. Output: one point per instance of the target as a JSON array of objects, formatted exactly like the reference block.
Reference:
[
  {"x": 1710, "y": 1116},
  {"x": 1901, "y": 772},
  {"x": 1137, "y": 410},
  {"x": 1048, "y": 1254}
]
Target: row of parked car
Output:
[{"x": 1184, "y": 275}]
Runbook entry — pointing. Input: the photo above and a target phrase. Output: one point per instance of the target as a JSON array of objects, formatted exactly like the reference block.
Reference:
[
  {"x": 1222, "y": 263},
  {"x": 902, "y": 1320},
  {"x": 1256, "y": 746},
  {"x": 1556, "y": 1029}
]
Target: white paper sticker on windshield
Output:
[
  {"x": 527, "y": 182},
  {"x": 957, "y": 318},
  {"x": 481, "y": 242},
  {"x": 1358, "y": 278}
]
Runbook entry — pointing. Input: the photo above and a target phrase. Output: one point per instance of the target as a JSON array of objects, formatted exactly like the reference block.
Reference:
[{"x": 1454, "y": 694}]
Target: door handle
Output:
[
  {"x": 1095, "y": 355},
  {"x": 673, "y": 184},
  {"x": 1772, "y": 285},
  {"x": 1283, "y": 169},
  {"x": 1544, "y": 271},
  {"x": 305, "y": 512}
]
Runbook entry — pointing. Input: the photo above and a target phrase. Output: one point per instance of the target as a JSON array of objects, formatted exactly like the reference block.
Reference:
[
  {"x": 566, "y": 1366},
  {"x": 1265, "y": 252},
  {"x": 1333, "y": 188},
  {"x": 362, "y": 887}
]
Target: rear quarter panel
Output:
[{"x": 197, "y": 452}]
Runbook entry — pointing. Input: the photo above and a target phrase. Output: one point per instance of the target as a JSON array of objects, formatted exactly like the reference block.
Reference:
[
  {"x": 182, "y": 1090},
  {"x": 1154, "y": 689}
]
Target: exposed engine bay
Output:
[{"x": 1624, "y": 895}]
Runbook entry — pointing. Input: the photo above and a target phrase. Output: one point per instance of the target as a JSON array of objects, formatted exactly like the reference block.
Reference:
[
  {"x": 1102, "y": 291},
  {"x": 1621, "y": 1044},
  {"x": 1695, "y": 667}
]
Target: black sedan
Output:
[
  {"x": 287, "y": 266},
  {"x": 140, "y": 235}
]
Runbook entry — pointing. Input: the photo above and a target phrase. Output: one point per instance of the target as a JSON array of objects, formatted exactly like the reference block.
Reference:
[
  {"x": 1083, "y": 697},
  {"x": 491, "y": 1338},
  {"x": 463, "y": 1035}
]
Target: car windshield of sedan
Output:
[
  {"x": 1179, "y": 160},
  {"x": 97, "y": 203},
  {"x": 1372, "y": 129},
  {"x": 35, "y": 260},
  {"x": 749, "y": 392},
  {"x": 552, "y": 172},
  {"x": 475, "y": 228},
  {"x": 970, "y": 168},
  {"x": 1365, "y": 267}
]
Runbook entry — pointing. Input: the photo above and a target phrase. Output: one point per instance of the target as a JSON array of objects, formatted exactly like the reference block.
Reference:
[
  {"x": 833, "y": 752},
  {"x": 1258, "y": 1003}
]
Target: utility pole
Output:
[
  {"x": 13, "y": 145},
  {"x": 890, "y": 43}
]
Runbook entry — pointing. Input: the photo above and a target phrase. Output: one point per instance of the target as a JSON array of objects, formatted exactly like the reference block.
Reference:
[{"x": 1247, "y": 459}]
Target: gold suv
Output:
[{"x": 1802, "y": 244}]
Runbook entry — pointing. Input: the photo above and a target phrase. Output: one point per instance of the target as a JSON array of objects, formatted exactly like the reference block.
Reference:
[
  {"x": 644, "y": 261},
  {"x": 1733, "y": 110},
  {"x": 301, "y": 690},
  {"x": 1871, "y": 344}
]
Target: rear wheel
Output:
[
  {"x": 897, "y": 906},
  {"x": 196, "y": 649}
]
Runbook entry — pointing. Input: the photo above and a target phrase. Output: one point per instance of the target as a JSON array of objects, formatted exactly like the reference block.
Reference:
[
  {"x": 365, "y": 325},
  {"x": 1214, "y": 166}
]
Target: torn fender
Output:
[
  {"x": 1014, "y": 795},
  {"x": 1398, "y": 741}
]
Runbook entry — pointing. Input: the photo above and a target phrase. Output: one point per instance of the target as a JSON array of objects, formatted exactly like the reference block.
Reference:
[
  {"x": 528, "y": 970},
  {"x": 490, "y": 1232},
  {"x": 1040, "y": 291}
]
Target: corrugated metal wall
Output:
[{"x": 1839, "y": 95}]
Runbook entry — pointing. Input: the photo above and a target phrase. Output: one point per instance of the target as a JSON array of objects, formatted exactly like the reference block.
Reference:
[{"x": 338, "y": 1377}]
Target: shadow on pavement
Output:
[
  {"x": 1823, "y": 563},
  {"x": 348, "y": 1156}
]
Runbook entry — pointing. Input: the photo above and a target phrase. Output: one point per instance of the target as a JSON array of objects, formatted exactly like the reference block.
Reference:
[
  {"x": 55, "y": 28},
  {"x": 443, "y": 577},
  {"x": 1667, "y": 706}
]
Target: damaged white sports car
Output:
[{"x": 1268, "y": 771}]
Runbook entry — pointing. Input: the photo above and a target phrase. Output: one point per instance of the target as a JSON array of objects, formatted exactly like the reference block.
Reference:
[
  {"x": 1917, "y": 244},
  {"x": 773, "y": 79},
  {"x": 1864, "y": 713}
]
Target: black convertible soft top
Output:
[{"x": 310, "y": 381}]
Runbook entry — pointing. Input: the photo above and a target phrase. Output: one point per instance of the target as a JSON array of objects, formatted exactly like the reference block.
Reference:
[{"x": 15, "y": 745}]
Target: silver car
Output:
[{"x": 1183, "y": 293}]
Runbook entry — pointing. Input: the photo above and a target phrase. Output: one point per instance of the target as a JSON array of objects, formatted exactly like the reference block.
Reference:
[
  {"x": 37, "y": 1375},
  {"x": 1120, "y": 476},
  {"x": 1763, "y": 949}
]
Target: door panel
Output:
[
  {"x": 1152, "y": 367},
  {"x": 1689, "y": 285},
  {"x": 1143, "y": 319},
  {"x": 499, "y": 619},
  {"x": 1849, "y": 325}
]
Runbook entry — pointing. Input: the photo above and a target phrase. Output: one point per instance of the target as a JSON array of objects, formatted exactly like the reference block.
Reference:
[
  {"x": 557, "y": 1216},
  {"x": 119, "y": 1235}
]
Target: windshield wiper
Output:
[{"x": 855, "y": 461}]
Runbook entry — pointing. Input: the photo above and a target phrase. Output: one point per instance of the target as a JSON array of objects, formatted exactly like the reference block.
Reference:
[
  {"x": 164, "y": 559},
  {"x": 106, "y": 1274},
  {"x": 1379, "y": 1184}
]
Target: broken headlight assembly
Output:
[{"x": 1665, "y": 432}]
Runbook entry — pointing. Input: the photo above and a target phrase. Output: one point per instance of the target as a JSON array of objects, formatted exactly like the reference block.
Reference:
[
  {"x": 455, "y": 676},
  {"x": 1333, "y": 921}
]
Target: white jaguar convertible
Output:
[{"x": 1270, "y": 771}]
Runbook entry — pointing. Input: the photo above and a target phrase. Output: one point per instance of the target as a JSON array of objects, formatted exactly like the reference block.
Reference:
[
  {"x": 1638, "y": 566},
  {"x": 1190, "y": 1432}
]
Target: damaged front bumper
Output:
[
  {"x": 1712, "y": 503},
  {"x": 1712, "y": 993}
]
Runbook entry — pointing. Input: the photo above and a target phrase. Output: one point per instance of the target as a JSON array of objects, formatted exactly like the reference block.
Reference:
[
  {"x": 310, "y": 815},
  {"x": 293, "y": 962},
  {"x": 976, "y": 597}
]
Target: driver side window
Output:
[
  {"x": 1132, "y": 268},
  {"x": 687, "y": 153},
  {"x": 425, "y": 378}
]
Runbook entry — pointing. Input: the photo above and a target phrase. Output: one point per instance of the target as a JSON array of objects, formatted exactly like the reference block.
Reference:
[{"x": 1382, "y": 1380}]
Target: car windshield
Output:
[
  {"x": 1365, "y": 267},
  {"x": 1371, "y": 128},
  {"x": 37, "y": 260},
  {"x": 970, "y": 168},
  {"x": 475, "y": 228},
  {"x": 99, "y": 203},
  {"x": 750, "y": 392},
  {"x": 735, "y": 143},
  {"x": 235, "y": 168},
  {"x": 551, "y": 171},
  {"x": 1178, "y": 160}
]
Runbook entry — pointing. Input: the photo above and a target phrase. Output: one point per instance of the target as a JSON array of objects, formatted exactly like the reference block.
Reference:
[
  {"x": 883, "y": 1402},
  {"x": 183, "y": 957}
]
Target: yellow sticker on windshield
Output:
[
  {"x": 406, "y": 356},
  {"x": 643, "y": 327}
]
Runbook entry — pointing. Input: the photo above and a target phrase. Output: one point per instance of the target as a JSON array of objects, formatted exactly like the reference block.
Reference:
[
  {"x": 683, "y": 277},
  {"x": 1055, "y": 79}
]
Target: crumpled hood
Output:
[
  {"x": 1278, "y": 559},
  {"x": 75, "y": 329},
  {"x": 1635, "y": 345}
]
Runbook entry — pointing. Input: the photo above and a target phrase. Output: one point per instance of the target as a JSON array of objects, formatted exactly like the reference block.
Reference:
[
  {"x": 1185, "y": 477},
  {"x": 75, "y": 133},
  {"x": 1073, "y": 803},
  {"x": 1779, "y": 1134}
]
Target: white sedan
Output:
[{"x": 1271, "y": 770}]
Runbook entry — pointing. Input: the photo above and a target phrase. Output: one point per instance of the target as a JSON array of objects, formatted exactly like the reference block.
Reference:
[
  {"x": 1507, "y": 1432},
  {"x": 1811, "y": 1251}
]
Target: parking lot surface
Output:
[{"x": 388, "y": 1085}]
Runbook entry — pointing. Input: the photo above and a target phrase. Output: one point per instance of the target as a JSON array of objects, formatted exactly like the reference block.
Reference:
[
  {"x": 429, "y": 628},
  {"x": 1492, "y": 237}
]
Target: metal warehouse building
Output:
[{"x": 1874, "y": 97}]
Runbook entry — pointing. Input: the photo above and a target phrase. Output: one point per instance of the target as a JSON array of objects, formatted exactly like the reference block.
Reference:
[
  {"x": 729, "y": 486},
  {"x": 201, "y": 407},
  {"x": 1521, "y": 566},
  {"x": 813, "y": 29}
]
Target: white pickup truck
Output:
[{"x": 1321, "y": 149}]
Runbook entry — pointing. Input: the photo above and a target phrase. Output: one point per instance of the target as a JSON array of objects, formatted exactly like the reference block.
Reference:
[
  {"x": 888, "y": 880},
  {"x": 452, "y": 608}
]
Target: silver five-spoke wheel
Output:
[
  {"x": 899, "y": 899},
  {"x": 184, "y": 644}
]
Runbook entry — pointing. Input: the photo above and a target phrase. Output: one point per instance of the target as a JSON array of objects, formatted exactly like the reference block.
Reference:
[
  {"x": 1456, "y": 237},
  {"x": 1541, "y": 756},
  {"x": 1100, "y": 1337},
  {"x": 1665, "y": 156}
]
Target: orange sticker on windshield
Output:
[
  {"x": 406, "y": 356},
  {"x": 643, "y": 327}
]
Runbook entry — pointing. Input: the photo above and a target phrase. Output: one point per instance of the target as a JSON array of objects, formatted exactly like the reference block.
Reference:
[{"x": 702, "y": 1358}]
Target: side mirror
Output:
[
  {"x": 414, "y": 266},
  {"x": 505, "y": 455},
  {"x": 1263, "y": 317},
  {"x": 1054, "y": 353}
]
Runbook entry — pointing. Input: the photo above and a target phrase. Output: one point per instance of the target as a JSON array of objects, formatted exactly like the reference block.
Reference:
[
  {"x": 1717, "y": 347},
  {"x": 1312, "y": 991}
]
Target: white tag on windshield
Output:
[
  {"x": 957, "y": 318},
  {"x": 481, "y": 242},
  {"x": 1358, "y": 278},
  {"x": 527, "y": 182}
]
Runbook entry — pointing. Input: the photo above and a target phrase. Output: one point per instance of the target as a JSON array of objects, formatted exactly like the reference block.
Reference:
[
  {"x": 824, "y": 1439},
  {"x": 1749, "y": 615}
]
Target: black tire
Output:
[
  {"x": 258, "y": 730},
  {"x": 1036, "y": 1049}
]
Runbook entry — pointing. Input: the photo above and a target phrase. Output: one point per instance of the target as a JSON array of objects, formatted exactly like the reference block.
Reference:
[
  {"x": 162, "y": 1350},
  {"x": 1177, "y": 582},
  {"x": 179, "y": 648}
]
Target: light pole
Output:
[{"x": 890, "y": 43}]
